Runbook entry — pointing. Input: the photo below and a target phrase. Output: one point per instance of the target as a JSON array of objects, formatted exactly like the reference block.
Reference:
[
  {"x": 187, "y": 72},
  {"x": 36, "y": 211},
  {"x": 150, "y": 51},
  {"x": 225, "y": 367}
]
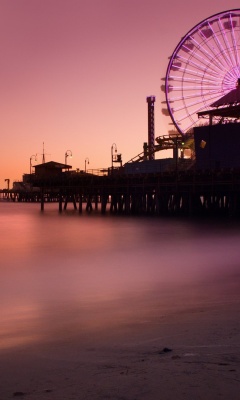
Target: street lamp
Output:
[
  {"x": 35, "y": 159},
  {"x": 86, "y": 161},
  {"x": 68, "y": 154},
  {"x": 114, "y": 147}
]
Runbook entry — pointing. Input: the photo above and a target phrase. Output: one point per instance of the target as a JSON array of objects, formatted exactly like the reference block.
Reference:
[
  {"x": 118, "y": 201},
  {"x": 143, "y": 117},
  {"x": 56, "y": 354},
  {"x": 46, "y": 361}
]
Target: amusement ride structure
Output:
[
  {"x": 204, "y": 67},
  {"x": 202, "y": 79}
]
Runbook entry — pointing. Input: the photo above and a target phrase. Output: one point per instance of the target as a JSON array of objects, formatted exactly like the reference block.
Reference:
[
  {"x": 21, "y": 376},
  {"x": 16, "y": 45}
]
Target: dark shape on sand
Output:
[
  {"x": 15, "y": 394},
  {"x": 165, "y": 350}
]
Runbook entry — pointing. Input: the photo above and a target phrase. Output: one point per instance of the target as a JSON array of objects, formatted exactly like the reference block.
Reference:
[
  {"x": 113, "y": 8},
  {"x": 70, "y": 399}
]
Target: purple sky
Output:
[{"x": 75, "y": 75}]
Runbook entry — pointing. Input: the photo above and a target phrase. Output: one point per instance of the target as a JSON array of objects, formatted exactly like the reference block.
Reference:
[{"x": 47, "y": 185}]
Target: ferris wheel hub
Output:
[{"x": 231, "y": 79}]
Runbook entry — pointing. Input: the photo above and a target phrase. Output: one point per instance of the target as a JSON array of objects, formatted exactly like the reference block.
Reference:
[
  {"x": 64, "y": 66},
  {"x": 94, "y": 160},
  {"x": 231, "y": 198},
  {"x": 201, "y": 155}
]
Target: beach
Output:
[
  {"x": 115, "y": 308},
  {"x": 190, "y": 351}
]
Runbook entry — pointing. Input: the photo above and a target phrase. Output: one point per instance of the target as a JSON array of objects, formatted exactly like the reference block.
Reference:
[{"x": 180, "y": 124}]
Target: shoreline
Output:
[{"x": 192, "y": 352}]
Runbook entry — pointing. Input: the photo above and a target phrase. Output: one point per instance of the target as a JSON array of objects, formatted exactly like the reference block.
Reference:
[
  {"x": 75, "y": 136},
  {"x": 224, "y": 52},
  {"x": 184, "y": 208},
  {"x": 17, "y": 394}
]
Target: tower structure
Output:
[{"x": 151, "y": 133}]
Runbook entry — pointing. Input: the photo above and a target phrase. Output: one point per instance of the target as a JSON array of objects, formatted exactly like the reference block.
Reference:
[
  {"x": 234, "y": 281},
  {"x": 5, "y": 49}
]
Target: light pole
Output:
[
  {"x": 86, "y": 161},
  {"x": 35, "y": 159},
  {"x": 114, "y": 147},
  {"x": 68, "y": 154}
]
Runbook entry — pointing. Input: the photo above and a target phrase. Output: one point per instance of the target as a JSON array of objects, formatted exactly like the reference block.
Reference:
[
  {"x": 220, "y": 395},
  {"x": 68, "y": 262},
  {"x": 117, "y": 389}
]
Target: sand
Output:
[{"x": 190, "y": 351}]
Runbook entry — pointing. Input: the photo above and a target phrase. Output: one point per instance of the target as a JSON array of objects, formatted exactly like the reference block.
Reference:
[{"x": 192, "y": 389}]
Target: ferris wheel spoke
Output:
[
  {"x": 195, "y": 95},
  {"x": 212, "y": 49},
  {"x": 193, "y": 72},
  {"x": 211, "y": 57},
  {"x": 210, "y": 63},
  {"x": 184, "y": 117},
  {"x": 234, "y": 41},
  {"x": 198, "y": 66},
  {"x": 187, "y": 104},
  {"x": 226, "y": 42},
  {"x": 204, "y": 67},
  {"x": 200, "y": 56},
  {"x": 190, "y": 114},
  {"x": 192, "y": 88},
  {"x": 220, "y": 47},
  {"x": 193, "y": 112},
  {"x": 231, "y": 76},
  {"x": 194, "y": 79}
]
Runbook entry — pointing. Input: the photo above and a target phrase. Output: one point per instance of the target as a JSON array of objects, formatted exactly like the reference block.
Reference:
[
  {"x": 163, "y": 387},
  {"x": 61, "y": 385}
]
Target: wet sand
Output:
[{"x": 188, "y": 349}]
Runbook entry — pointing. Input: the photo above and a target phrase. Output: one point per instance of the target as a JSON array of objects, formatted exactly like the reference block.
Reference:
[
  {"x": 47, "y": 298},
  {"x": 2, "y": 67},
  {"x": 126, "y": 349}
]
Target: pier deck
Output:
[{"x": 208, "y": 192}]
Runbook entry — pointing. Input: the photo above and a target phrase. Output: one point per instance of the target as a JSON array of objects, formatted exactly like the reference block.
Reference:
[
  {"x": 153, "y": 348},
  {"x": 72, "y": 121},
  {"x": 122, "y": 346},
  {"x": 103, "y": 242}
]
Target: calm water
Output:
[{"x": 69, "y": 275}]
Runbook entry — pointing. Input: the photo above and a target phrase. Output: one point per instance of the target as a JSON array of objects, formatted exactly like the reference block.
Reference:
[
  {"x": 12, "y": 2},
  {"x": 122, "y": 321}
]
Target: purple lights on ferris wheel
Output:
[{"x": 203, "y": 67}]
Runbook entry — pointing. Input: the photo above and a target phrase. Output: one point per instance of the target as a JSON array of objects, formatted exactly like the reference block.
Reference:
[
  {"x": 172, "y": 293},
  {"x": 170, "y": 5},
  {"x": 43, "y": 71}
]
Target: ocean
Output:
[{"x": 89, "y": 277}]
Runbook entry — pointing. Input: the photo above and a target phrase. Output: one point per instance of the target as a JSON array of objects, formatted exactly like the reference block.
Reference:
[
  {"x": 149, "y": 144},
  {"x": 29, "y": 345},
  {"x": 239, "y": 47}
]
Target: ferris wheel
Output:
[{"x": 204, "y": 67}]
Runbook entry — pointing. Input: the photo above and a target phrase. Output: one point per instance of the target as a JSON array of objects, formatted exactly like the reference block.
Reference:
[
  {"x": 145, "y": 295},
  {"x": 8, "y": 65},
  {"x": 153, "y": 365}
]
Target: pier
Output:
[
  {"x": 201, "y": 179},
  {"x": 176, "y": 193}
]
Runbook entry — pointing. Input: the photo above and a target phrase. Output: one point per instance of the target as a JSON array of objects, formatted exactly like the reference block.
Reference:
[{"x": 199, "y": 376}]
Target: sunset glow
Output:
[{"x": 76, "y": 74}]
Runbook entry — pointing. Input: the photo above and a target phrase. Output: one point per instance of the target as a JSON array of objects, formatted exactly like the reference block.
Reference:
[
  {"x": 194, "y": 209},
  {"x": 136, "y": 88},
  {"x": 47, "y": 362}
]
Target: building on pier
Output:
[
  {"x": 51, "y": 168},
  {"x": 217, "y": 144},
  {"x": 48, "y": 169}
]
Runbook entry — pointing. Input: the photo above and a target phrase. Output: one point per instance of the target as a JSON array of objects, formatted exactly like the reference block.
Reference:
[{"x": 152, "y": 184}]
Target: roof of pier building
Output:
[
  {"x": 233, "y": 97},
  {"x": 227, "y": 106},
  {"x": 51, "y": 168}
]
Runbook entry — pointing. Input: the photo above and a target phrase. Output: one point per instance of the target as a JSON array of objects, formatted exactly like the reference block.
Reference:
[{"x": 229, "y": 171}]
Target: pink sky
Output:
[{"x": 75, "y": 75}]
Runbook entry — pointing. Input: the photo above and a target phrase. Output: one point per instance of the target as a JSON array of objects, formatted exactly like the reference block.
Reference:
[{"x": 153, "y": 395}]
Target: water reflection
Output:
[{"x": 65, "y": 276}]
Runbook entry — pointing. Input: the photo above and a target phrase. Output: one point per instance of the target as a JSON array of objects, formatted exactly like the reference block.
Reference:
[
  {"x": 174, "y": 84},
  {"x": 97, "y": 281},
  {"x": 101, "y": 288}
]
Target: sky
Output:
[{"x": 75, "y": 75}]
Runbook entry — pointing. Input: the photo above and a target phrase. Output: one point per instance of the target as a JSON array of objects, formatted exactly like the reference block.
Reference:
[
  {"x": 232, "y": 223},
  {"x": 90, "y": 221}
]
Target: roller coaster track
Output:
[{"x": 165, "y": 142}]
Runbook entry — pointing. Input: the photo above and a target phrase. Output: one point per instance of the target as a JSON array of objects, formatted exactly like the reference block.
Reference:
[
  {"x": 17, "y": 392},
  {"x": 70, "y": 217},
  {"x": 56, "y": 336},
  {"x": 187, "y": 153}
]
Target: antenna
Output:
[{"x": 43, "y": 155}]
